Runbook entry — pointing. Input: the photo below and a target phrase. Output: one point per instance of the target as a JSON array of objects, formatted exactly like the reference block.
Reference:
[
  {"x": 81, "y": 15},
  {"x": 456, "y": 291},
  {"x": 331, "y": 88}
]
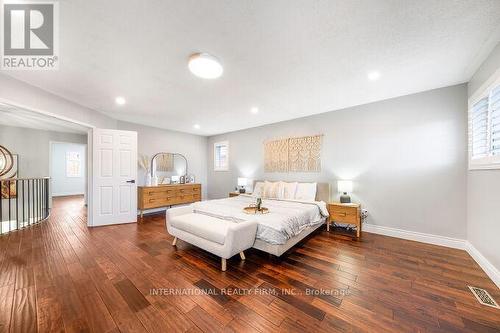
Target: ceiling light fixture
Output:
[
  {"x": 254, "y": 110},
  {"x": 196, "y": 126},
  {"x": 205, "y": 66},
  {"x": 373, "y": 76},
  {"x": 120, "y": 100}
]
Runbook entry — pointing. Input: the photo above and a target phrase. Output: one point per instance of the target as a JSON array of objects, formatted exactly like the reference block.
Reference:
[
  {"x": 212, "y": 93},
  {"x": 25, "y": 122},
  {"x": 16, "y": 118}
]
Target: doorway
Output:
[
  {"x": 68, "y": 169},
  {"x": 108, "y": 167}
]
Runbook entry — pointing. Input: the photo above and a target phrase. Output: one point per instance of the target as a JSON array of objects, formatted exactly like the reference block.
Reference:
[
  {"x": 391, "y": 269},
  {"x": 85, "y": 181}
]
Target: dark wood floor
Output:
[{"x": 62, "y": 276}]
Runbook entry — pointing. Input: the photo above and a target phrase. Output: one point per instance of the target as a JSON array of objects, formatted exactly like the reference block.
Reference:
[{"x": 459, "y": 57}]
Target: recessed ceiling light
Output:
[
  {"x": 205, "y": 66},
  {"x": 373, "y": 76},
  {"x": 120, "y": 100},
  {"x": 196, "y": 126},
  {"x": 254, "y": 110}
]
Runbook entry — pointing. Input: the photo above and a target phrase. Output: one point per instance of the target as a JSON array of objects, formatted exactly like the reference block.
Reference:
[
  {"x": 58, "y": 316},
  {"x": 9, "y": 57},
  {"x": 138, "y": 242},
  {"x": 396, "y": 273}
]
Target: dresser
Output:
[
  {"x": 348, "y": 213},
  {"x": 167, "y": 195}
]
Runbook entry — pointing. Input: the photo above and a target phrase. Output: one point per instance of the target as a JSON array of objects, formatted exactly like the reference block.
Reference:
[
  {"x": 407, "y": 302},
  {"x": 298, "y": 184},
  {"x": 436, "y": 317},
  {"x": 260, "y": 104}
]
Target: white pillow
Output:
[
  {"x": 258, "y": 189},
  {"x": 272, "y": 190},
  {"x": 306, "y": 191},
  {"x": 289, "y": 190}
]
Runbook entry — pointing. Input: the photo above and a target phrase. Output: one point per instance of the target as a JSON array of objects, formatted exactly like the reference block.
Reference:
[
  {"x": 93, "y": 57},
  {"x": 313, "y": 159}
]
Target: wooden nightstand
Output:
[
  {"x": 348, "y": 213},
  {"x": 235, "y": 194}
]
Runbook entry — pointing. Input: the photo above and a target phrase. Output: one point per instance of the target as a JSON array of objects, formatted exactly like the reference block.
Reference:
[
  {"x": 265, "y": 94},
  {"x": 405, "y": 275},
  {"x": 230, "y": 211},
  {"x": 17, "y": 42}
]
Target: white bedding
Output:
[{"x": 286, "y": 218}]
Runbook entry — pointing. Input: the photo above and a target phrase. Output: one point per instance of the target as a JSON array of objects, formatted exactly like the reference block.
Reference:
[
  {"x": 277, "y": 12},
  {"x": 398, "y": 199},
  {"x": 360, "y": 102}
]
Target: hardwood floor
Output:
[{"x": 62, "y": 276}]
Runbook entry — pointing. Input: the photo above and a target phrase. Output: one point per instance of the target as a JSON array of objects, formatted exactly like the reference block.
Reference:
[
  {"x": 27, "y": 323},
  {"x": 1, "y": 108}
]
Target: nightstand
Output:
[
  {"x": 348, "y": 213},
  {"x": 235, "y": 194}
]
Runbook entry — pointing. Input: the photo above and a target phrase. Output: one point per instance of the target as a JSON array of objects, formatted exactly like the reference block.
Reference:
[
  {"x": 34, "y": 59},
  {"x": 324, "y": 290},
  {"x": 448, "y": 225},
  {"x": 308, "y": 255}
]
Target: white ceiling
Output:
[
  {"x": 17, "y": 117},
  {"x": 289, "y": 58}
]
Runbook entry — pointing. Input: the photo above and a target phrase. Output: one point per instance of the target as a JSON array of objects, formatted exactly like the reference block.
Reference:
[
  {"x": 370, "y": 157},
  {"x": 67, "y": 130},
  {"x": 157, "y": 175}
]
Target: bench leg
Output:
[
  {"x": 223, "y": 262},
  {"x": 174, "y": 242},
  {"x": 242, "y": 255}
]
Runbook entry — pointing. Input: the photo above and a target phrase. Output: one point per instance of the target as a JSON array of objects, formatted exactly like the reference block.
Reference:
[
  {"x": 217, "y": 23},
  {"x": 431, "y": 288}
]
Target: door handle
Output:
[{"x": 131, "y": 181}]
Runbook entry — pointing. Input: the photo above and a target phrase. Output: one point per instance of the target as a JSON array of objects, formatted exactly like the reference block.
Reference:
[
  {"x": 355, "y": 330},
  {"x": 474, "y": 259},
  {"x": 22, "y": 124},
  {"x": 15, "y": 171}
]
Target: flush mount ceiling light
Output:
[
  {"x": 254, "y": 110},
  {"x": 196, "y": 126},
  {"x": 373, "y": 76},
  {"x": 120, "y": 100},
  {"x": 205, "y": 66}
]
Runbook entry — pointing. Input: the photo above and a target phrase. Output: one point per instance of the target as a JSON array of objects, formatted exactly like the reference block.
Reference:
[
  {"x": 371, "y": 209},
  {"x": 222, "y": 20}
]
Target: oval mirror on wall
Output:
[{"x": 169, "y": 167}]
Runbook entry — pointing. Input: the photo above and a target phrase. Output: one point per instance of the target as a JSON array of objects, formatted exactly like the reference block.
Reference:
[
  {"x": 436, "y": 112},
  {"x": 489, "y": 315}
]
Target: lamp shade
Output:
[
  {"x": 242, "y": 181},
  {"x": 344, "y": 186}
]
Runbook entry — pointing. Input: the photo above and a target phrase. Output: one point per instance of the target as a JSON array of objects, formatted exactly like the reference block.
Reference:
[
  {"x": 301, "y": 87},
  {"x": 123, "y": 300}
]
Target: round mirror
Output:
[
  {"x": 169, "y": 168},
  {"x": 6, "y": 161}
]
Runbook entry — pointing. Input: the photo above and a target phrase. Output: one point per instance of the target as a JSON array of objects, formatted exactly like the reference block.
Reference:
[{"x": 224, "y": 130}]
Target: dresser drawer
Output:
[
  {"x": 160, "y": 202},
  {"x": 344, "y": 214},
  {"x": 167, "y": 195},
  {"x": 159, "y": 192},
  {"x": 196, "y": 197},
  {"x": 186, "y": 190},
  {"x": 187, "y": 198}
]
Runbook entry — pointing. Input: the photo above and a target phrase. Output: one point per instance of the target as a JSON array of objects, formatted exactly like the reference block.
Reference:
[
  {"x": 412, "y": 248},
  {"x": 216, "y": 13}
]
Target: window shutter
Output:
[
  {"x": 221, "y": 156},
  {"x": 479, "y": 117},
  {"x": 495, "y": 120}
]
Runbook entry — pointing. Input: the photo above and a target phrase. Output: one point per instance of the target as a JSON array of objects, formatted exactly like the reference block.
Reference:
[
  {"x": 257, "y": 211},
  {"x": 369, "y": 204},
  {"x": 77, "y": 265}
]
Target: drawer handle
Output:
[{"x": 343, "y": 214}]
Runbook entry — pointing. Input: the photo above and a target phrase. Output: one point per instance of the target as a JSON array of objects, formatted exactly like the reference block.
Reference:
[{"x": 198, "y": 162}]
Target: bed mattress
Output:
[{"x": 286, "y": 218}]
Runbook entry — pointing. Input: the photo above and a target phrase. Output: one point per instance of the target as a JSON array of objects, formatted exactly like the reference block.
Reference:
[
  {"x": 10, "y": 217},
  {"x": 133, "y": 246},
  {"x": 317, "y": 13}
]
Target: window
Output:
[
  {"x": 73, "y": 164},
  {"x": 221, "y": 156},
  {"x": 484, "y": 127}
]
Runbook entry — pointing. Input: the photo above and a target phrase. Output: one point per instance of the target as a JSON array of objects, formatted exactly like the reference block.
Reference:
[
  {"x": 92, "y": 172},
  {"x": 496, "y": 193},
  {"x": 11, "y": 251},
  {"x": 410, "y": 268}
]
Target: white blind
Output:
[
  {"x": 495, "y": 120},
  {"x": 479, "y": 115},
  {"x": 221, "y": 156}
]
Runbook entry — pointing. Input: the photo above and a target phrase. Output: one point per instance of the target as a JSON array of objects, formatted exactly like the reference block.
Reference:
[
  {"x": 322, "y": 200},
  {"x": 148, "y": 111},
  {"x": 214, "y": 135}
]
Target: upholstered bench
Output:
[{"x": 220, "y": 237}]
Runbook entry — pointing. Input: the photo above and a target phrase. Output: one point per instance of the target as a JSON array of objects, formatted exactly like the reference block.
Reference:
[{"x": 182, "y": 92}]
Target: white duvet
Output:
[{"x": 286, "y": 218}]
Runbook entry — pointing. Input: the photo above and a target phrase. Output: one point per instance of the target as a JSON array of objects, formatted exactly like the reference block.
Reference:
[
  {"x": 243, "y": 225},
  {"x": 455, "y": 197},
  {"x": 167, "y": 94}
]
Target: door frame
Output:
[
  {"x": 89, "y": 147},
  {"x": 51, "y": 145}
]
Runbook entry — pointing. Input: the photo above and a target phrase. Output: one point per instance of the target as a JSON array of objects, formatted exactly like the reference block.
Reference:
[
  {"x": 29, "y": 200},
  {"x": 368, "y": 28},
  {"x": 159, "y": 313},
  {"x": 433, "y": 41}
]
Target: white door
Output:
[{"x": 114, "y": 174}]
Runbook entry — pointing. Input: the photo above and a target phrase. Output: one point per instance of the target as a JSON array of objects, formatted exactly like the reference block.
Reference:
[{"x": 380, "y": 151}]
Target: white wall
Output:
[
  {"x": 61, "y": 184},
  {"x": 32, "y": 98},
  {"x": 153, "y": 140},
  {"x": 406, "y": 156},
  {"x": 483, "y": 192},
  {"x": 33, "y": 146}
]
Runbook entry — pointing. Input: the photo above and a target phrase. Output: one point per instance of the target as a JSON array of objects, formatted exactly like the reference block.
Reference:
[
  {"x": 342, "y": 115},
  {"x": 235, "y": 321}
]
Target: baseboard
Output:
[
  {"x": 455, "y": 243},
  {"x": 66, "y": 194},
  {"x": 487, "y": 266}
]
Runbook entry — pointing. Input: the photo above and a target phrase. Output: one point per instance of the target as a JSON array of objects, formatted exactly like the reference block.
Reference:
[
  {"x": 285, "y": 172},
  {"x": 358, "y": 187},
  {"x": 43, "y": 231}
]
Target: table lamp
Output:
[
  {"x": 242, "y": 182},
  {"x": 344, "y": 187}
]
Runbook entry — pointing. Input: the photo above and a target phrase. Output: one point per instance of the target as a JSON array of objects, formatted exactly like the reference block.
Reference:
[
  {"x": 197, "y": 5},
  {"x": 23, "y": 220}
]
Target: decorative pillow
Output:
[
  {"x": 271, "y": 190},
  {"x": 306, "y": 191},
  {"x": 289, "y": 190},
  {"x": 258, "y": 189}
]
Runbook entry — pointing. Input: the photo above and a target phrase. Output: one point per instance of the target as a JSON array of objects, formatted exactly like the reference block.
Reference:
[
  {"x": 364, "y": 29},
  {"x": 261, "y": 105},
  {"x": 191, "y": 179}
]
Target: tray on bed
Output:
[{"x": 253, "y": 210}]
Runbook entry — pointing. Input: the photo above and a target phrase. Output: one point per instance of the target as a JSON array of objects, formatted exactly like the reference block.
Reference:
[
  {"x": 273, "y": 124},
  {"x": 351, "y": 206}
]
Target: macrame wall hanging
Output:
[
  {"x": 165, "y": 163},
  {"x": 302, "y": 154}
]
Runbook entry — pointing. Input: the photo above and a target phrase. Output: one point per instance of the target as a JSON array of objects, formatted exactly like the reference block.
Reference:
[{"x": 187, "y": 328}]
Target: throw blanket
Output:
[{"x": 286, "y": 218}]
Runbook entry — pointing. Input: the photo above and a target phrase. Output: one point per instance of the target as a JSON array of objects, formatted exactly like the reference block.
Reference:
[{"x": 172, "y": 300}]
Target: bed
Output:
[{"x": 288, "y": 222}]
